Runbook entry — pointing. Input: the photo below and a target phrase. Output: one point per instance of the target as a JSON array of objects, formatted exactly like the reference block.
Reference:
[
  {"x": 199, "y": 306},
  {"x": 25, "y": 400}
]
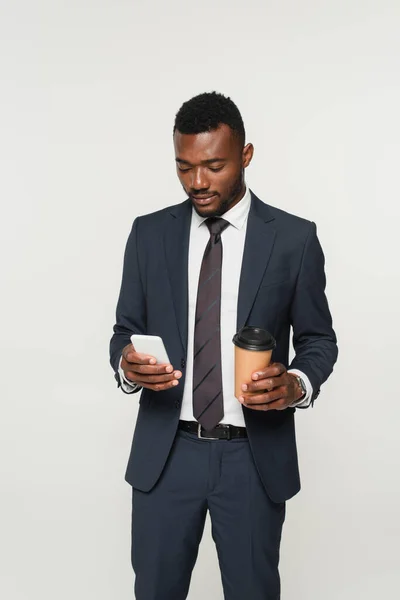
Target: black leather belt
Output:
[{"x": 220, "y": 432}]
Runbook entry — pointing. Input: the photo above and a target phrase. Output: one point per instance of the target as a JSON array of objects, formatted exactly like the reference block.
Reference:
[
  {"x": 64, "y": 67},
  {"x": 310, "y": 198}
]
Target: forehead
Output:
[{"x": 220, "y": 143}]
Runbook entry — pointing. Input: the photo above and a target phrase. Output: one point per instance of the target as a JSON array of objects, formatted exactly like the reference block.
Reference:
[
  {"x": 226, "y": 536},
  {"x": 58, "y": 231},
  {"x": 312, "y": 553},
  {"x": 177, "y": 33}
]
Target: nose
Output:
[{"x": 199, "y": 179}]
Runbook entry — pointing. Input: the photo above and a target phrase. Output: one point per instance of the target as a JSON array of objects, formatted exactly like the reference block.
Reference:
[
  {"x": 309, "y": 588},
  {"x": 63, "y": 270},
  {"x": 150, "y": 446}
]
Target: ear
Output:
[{"x": 247, "y": 155}]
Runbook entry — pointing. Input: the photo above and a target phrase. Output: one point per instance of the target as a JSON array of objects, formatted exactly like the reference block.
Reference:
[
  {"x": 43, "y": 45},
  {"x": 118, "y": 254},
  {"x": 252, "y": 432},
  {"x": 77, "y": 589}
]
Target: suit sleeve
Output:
[
  {"x": 314, "y": 339},
  {"x": 131, "y": 307}
]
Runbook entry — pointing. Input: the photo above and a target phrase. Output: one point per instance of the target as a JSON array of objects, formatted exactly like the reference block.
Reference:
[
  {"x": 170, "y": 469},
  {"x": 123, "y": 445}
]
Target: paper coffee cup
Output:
[{"x": 253, "y": 351}]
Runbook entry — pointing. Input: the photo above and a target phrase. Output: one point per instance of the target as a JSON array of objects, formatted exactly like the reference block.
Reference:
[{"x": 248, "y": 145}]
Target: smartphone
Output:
[{"x": 152, "y": 345}]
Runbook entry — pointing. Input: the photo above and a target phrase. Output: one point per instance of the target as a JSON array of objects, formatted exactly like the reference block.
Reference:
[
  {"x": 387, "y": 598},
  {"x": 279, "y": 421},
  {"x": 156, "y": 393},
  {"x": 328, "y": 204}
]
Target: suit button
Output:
[
  {"x": 177, "y": 404},
  {"x": 183, "y": 363}
]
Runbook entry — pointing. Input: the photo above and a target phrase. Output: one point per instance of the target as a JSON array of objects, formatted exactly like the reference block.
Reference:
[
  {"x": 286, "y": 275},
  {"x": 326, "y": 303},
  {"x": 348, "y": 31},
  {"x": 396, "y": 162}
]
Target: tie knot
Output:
[{"x": 216, "y": 225}]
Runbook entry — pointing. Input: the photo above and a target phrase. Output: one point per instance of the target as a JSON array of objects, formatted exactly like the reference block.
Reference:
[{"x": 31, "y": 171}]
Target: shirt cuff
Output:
[
  {"x": 129, "y": 387},
  {"x": 306, "y": 401}
]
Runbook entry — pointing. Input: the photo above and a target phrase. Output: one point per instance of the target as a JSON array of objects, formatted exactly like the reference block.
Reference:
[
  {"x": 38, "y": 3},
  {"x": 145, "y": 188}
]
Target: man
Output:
[{"x": 194, "y": 274}]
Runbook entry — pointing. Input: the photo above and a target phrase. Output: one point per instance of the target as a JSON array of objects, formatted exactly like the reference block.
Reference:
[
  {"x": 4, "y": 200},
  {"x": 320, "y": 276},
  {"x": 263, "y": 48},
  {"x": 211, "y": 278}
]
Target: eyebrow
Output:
[{"x": 209, "y": 161}]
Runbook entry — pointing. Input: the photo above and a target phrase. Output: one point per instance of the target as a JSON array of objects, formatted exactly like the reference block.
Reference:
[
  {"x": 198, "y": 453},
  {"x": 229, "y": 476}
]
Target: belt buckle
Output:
[{"x": 203, "y": 437}]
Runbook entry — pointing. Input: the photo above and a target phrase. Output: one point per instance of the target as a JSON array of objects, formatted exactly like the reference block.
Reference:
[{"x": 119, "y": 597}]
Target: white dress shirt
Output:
[{"x": 233, "y": 239}]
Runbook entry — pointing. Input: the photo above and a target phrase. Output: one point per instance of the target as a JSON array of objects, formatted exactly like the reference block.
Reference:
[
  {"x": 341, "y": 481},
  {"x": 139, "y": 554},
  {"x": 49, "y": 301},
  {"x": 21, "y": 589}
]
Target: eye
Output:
[
  {"x": 215, "y": 169},
  {"x": 183, "y": 169}
]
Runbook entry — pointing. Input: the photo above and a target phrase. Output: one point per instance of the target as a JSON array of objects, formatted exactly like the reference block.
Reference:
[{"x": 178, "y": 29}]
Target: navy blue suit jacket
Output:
[{"x": 282, "y": 284}]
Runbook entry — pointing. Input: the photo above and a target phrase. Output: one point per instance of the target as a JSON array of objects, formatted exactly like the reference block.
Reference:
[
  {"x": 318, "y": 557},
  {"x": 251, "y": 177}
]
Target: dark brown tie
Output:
[{"x": 208, "y": 404}]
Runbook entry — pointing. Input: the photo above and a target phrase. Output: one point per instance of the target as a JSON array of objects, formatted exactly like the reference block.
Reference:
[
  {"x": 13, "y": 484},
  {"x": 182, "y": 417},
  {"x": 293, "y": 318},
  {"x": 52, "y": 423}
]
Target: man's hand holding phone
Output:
[{"x": 144, "y": 370}]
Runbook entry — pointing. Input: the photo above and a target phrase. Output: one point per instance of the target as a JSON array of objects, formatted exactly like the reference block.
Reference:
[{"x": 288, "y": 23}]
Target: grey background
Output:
[{"x": 89, "y": 90}]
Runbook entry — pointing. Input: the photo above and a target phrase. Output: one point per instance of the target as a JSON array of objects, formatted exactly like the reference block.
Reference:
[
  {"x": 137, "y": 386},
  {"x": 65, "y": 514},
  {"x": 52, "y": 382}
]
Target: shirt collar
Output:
[{"x": 235, "y": 216}]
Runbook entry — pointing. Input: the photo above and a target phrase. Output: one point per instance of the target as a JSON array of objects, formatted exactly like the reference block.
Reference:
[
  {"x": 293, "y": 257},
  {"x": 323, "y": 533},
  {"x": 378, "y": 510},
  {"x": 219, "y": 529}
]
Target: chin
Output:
[{"x": 207, "y": 211}]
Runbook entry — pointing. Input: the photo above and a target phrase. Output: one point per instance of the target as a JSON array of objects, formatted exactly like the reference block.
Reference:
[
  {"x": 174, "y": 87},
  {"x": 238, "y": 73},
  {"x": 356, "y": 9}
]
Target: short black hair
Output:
[{"x": 206, "y": 112}]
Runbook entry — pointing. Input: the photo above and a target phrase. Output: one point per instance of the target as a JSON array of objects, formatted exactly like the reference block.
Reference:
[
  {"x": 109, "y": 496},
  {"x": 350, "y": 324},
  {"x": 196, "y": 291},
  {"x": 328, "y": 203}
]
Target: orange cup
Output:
[{"x": 253, "y": 351}]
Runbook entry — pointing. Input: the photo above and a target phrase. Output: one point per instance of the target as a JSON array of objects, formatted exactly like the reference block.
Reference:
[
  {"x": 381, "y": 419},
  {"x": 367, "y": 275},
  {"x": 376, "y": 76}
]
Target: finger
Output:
[
  {"x": 152, "y": 379},
  {"x": 280, "y": 404},
  {"x": 150, "y": 369},
  {"x": 160, "y": 387},
  {"x": 127, "y": 349},
  {"x": 264, "y": 384},
  {"x": 273, "y": 370},
  {"x": 141, "y": 359},
  {"x": 130, "y": 355},
  {"x": 265, "y": 398},
  {"x": 147, "y": 369}
]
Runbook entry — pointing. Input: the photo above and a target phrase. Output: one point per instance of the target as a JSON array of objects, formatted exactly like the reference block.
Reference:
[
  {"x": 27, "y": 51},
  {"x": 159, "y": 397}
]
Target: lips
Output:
[{"x": 203, "y": 199}]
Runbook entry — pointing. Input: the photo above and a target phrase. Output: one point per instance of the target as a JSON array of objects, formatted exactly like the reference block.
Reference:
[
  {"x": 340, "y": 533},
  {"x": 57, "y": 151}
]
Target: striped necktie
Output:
[{"x": 208, "y": 405}]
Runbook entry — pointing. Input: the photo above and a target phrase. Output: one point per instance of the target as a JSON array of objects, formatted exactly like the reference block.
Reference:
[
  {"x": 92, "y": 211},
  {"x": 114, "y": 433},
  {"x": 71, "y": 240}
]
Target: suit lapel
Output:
[
  {"x": 260, "y": 238},
  {"x": 176, "y": 243}
]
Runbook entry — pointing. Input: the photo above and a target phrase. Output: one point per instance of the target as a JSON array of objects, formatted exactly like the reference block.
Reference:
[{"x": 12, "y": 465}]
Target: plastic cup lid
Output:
[{"x": 254, "y": 338}]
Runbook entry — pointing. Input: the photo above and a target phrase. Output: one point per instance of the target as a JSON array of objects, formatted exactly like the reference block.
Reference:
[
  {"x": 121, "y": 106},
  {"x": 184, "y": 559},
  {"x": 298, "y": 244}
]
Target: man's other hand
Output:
[
  {"x": 143, "y": 370},
  {"x": 272, "y": 388}
]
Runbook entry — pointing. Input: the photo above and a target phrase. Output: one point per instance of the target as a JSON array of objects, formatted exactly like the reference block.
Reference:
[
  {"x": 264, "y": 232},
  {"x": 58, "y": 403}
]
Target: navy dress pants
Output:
[{"x": 168, "y": 522}]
